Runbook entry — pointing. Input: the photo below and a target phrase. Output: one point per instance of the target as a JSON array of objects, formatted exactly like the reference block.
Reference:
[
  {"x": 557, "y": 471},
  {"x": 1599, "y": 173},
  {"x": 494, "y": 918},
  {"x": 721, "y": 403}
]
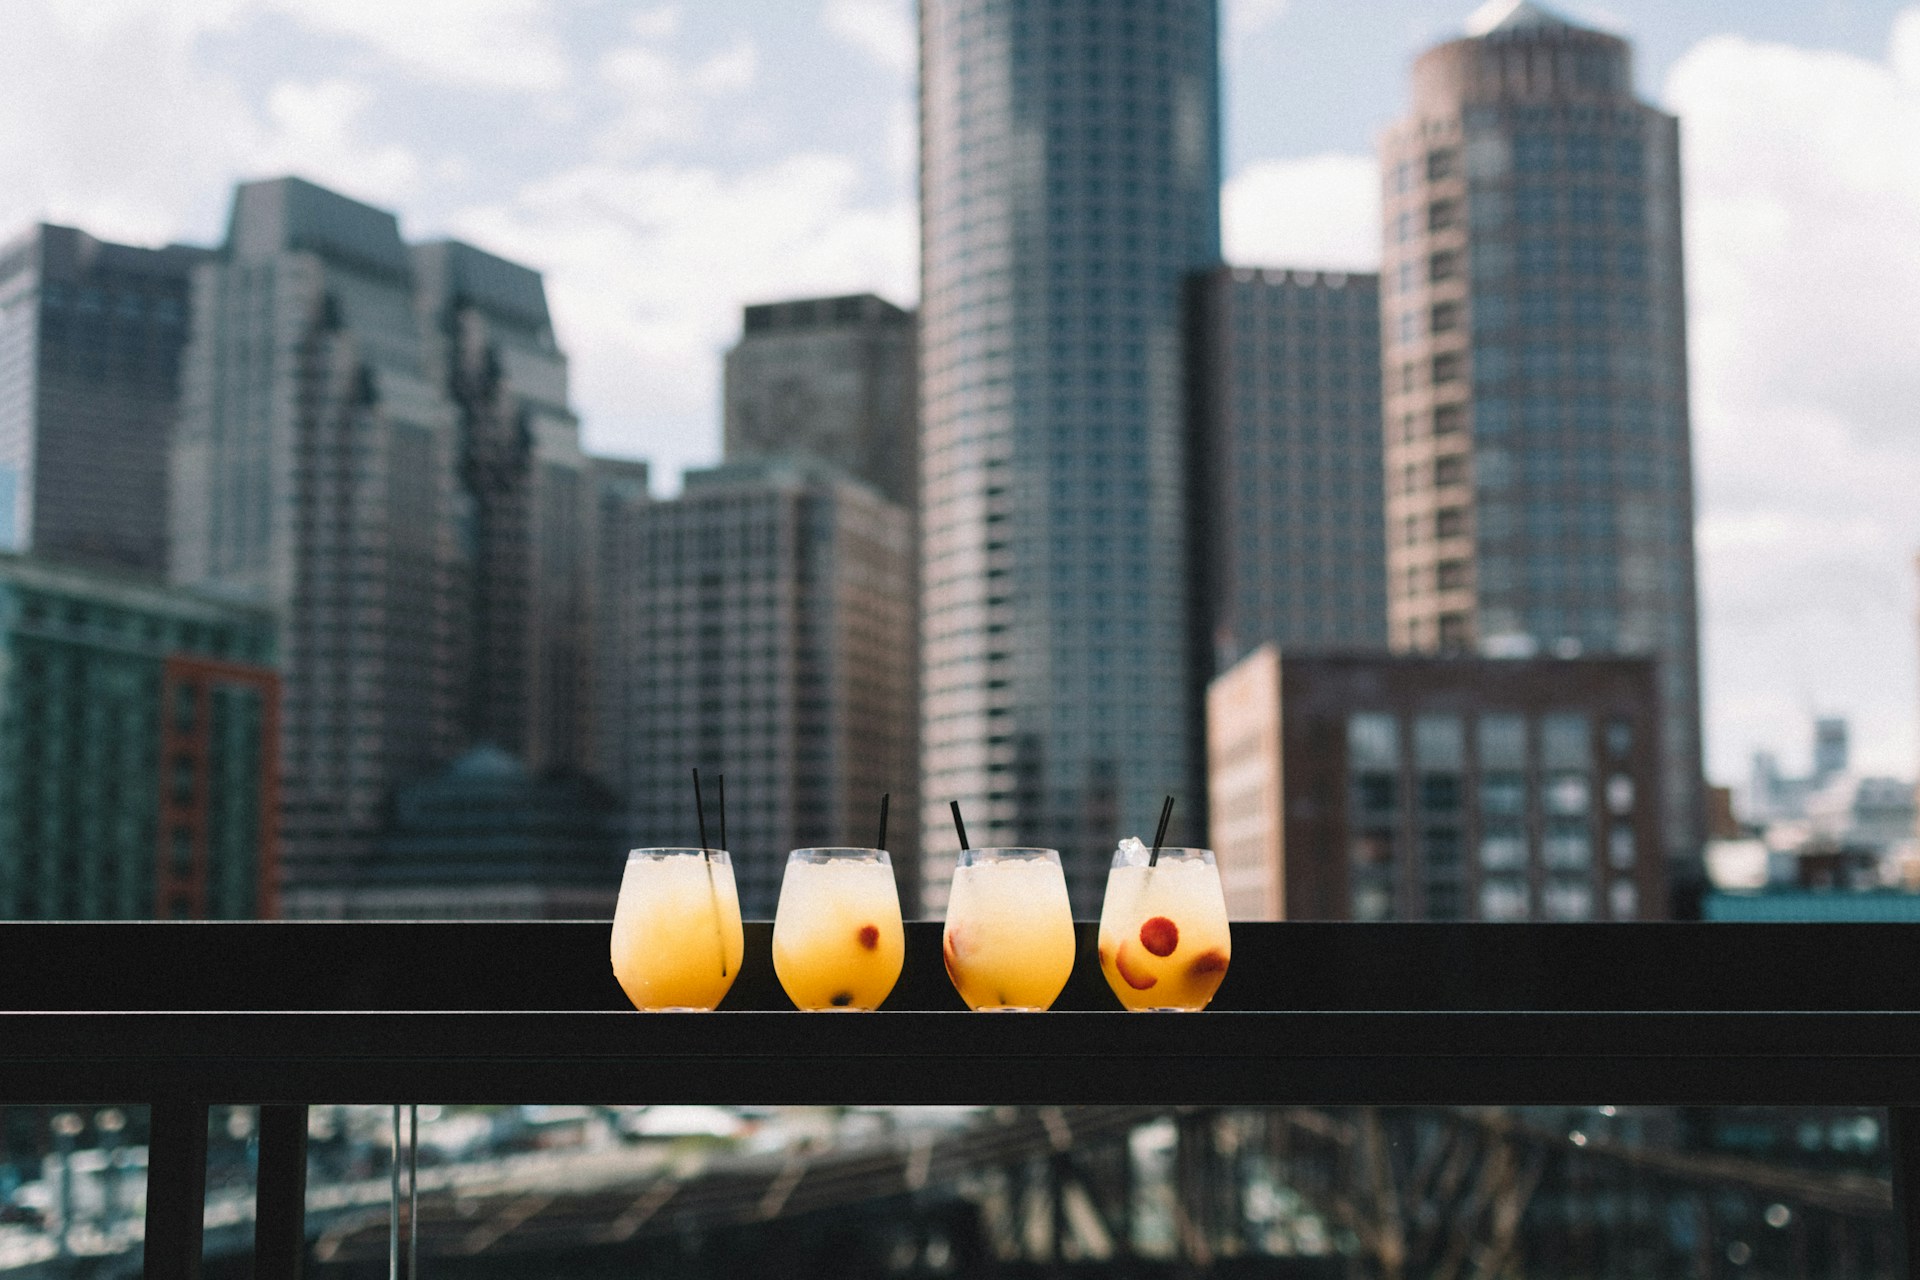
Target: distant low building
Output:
[
  {"x": 138, "y": 750},
  {"x": 485, "y": 839},
  {"x": 1383, "y": 787}
]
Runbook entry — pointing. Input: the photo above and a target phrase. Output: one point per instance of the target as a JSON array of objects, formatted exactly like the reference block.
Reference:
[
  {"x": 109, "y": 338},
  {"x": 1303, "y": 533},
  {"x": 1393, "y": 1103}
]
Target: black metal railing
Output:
[{"x": 181, "y": 1016}]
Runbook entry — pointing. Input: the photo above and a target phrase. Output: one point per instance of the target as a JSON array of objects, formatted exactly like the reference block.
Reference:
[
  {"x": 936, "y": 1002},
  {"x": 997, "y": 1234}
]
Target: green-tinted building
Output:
[{"x": 138, "y": 750}]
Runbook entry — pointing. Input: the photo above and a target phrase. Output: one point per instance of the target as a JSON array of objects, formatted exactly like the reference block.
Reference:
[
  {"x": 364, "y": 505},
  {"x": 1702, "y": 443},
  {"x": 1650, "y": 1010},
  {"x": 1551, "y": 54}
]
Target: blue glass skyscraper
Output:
[{"x": 1069, "y": 184}]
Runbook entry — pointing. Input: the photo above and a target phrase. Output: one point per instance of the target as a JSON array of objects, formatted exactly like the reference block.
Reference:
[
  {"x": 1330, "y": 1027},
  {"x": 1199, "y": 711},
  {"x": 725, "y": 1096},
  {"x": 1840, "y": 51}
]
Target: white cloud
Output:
[
  {"x": 883, "y": 30},
  {"x": 1802, "y": 184},
  {"x": 1317, "y": 211},
  {"x": 665, "y": 99},
  {"x": 648, "y": 268},
  {"x": 491, "y": 44},
  {"x": 314, "y": 127},
  {"x": 1249, "y": 18}
]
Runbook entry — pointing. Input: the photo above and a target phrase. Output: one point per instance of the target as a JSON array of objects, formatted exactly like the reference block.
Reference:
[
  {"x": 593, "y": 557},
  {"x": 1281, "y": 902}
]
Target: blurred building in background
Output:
[
  {"x": 137, "y": 750},
  {"x": 761, "y": 626},
  {"x": 827, "y": 378},
  {"x": 374, "y": 443},
  {"x": 1058, "y": 227},
  {"x": 1538, "y": 463},
  {"x": 487, "y": 839},
  {"x": 90, "y": 341},
  {"x": 1286, "y": 401},
  {"x": 1395, "y": 787},
  {"x": 523, "y": 486}
]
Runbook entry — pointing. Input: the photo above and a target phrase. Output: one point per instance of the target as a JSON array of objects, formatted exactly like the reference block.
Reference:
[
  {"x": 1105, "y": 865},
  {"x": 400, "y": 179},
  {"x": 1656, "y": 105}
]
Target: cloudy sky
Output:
[{"x": 665, "y": 163}]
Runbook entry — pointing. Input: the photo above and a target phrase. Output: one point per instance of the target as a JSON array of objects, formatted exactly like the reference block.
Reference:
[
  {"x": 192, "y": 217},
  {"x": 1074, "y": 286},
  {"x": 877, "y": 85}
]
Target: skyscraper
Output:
[
  {"x": 827, "y": 378},
  {"x": 1539, "y": 479},
  {"x": 760, "y": 625},
  {"x": 1286, "y": 398},
  {"x": 370, "y": 443},
  {"x": 90, "y": 340},
  {"x": 1069, "y": 184},
  {"x": 522, "y": 475}
]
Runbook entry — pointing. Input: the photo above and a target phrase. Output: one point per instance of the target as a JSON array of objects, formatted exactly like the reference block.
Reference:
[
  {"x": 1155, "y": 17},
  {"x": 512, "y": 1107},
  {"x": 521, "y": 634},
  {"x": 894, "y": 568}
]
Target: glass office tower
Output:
[
  {"x": 1539, "y": 483},
  {"x": 1069, "y": 183}
]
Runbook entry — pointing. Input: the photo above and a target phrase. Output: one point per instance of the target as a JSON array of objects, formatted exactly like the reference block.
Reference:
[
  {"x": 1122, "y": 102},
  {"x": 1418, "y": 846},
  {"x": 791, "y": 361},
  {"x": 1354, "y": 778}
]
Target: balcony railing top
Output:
[{"x": 1328, "y": 1013}]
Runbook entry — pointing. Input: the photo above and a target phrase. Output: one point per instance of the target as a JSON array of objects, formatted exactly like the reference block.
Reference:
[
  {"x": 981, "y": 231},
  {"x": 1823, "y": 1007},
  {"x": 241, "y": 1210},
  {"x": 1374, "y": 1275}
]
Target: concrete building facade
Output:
[
  {"x": 1069, "y": 186},
  {"x": 1286, "y": 398},
  {"x": 1389, "y": 787},
  {"x": 138, "y": 754},
  {"x": 90, "y": 340},
  {"x": 1539, "y": 491},
  {"x": 761, "y": 626}
]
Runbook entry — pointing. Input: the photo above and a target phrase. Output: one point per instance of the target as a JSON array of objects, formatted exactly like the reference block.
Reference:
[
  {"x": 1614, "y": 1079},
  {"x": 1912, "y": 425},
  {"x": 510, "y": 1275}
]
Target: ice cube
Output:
[{"x": 1134, "y": 849}]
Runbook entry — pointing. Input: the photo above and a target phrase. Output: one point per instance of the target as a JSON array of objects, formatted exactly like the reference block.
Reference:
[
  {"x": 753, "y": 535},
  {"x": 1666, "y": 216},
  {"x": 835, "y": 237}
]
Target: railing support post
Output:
[
  {"x": 176, "y": 1189},
  {"x": 280, "y": 1204},
  {"x": 1905, "y": 1126}
]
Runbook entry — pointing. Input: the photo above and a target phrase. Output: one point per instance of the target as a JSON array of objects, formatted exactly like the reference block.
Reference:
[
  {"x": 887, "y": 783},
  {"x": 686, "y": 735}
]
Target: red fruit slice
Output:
[
  {"x": 869, "y": 936},
  {"x": 1106, "y": 955},
  {"x": 1160, "y": 936},
  {"x": 948, "y": 957},
  {"x": 1207, "y": 963},
  {"x": 1128, "y": 963}
]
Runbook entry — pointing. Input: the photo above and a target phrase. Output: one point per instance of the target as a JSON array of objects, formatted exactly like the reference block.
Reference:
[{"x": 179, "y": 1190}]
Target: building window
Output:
[
  {"x": 1568, "y": 845},
  {"x": 1444, "y": 265},
  {"x": 1373, "y": 742},
  {"x": 1568, "y": 900},
  {"x": 1567, "y": 794},
  {"x": 1620, "y": 847},
  {"x": 1503, "y": 898},
  {"x": 1564, "y": 741},
  {"x": 1623, "y": 899},
  {"x": 1619, "y": 794},
  {"x": 1503, "y": 846}
]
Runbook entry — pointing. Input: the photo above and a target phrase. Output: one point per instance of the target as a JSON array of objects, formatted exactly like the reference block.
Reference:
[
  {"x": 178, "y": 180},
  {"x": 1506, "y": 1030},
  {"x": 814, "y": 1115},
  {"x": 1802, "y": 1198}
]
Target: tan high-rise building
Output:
[{"x": 1539, "y": 492}]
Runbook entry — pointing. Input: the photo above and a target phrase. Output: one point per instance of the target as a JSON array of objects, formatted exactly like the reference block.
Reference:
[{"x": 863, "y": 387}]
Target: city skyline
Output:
[{"x": 1801, "y": 610}]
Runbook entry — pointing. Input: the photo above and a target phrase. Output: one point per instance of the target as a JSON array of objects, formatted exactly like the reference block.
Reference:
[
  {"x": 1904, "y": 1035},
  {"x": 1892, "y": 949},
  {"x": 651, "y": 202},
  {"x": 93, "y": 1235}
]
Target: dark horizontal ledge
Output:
[
  {"x": 1276, "y": 967},
  {"x": 1388, "y": 1057}
]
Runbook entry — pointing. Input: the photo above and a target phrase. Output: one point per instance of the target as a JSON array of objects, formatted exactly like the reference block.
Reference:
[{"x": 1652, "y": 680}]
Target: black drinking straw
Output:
[
  {"x": 1166, "y": 811},
  {"x": 700, "y": 808},
  {"x": 958, "y": 825},
  {"x": 881, "y": 843}
]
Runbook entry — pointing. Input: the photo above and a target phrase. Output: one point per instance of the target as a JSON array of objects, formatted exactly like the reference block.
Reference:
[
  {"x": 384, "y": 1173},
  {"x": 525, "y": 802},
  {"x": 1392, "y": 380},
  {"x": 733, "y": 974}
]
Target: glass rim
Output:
[
  {"x": 1010, "y": 853},
  {"x": 681, "y": 851},
  {"x": 840, "y": 853},
  {"x": 1168, "y": 853}
]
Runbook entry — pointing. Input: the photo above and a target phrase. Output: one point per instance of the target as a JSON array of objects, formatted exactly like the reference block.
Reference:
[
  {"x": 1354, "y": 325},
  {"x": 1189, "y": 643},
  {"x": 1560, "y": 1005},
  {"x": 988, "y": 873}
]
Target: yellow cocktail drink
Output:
[
  {"x": 677, "y": 942},
  {"x": 1009, "y": 936},
  {"x": 837, "y": 938},
  {"x": 1163, "y": 928}
]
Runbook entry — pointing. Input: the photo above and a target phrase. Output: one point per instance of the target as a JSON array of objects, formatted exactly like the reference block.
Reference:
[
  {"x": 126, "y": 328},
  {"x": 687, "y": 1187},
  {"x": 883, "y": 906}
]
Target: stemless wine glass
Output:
[
  {"x": 1009, "y": 936},
  {"x": 677, "y": 942},
  {"x": 837, "y": 938},
  {"x": 1163, "y": 929}
]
